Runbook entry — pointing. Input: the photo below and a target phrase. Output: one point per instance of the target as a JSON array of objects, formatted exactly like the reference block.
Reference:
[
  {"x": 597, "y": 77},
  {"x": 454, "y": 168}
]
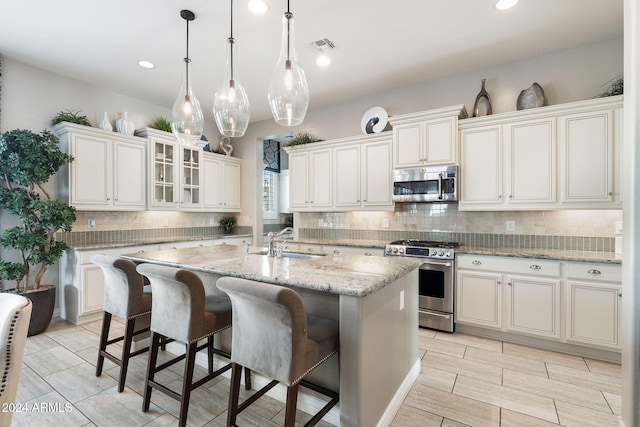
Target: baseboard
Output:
[
  {"x": 308, "y": 400},
  {"x": 401, "y": 394}
]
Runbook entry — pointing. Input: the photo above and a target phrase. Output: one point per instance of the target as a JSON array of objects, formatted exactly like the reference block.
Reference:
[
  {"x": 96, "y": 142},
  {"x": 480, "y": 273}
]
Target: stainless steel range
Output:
[{"x": 435, "y": 280}]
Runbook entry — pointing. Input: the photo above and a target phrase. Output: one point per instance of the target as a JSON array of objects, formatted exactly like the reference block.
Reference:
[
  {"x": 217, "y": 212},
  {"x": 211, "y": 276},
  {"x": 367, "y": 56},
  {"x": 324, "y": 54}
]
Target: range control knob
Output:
[
  {"x": 448, "y": 254},
  {"x": 401, "y": 250},
  {"x": 440, "y": 253},
  {"x": 395, "y": 250}
]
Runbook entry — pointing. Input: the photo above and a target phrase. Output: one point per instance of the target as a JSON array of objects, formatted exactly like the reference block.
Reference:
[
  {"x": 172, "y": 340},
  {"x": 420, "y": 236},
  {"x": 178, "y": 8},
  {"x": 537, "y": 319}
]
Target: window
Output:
[{"x": 270, "y": 194}]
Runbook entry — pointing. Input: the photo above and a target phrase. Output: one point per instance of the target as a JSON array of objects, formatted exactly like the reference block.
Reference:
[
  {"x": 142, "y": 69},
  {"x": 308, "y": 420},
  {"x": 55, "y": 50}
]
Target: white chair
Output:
[{"x": 15, "y": 314}]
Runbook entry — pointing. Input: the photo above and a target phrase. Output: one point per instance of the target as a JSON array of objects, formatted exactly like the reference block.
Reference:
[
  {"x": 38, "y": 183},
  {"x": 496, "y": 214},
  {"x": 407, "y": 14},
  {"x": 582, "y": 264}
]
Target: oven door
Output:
[{"x": 435, "y": 286}]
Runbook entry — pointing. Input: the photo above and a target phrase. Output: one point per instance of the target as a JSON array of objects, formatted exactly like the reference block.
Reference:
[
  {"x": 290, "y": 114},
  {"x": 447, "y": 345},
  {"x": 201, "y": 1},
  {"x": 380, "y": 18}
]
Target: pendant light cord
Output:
[
  {"x": 288, "y": 15},
  {"x": 231, "y": 42},
  {"x": 186, "y": 62}
]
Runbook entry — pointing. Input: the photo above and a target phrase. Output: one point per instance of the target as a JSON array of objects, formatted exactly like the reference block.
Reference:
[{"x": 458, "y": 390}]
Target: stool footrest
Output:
[{"x": 258, "y": 394}]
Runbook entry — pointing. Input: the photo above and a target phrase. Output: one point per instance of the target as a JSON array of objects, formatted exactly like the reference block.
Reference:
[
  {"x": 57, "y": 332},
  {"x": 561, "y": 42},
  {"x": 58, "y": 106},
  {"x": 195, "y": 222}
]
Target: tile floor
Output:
[{"x": 465, "y": 381}]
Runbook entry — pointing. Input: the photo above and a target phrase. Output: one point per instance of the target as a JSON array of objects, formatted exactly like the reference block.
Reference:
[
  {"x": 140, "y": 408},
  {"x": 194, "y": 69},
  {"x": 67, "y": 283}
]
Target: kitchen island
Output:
[{"x": 375, "y": 300}]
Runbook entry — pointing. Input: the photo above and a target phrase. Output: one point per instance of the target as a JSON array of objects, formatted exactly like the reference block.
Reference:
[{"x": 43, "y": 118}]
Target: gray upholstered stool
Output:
[
  {"x": 181, "y": 311},
  {"x": 124, "y": 296},
  {"x": 273, "y": 335}
]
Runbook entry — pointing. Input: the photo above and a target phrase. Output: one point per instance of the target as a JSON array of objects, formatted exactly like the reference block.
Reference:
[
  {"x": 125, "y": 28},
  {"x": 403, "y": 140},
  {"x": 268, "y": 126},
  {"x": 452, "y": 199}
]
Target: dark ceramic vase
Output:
[{"x": 43, "y": 301}]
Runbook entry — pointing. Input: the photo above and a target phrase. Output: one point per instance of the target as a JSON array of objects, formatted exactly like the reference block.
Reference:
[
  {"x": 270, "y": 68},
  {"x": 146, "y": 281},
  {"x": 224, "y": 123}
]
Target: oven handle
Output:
[
  {"x": 440, "y": 191},
  {"x": 444, "y": 263},
  {"x": 433, "y": 313}
]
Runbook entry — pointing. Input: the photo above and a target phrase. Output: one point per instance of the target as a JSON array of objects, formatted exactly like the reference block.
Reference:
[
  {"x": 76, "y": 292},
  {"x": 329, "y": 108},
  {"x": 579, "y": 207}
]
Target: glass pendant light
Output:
[
  {"x": 187, "y": 120},
  {"x": 288, "y": 90},
  {"x": 231, "y": 104}
]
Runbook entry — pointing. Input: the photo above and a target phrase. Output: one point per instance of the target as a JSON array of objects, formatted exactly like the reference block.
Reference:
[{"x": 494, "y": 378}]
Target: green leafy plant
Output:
[
  {"x": 27, "y": 161},
  {"x": 227, "y": 224},
  {"x": 616, "y": 88},
  {"x": 161, "y": 123},
  {"x": 71, "y": 117},
  {"x": 303, "y": 137}
]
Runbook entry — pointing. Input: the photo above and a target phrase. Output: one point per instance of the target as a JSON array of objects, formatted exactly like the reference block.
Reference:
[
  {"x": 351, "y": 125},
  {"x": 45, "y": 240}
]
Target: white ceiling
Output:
[{"x": 380, "y": 45}]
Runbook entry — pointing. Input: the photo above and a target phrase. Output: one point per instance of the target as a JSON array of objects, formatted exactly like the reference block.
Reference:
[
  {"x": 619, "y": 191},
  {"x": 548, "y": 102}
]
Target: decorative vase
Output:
[
  {"x": 124, "y": 125},
  {"x": 531, "y": 97},
  {"x": 482, "y": 99},
  {"x": 105, "y": 124},
  {"x": 225, "y": 145}
]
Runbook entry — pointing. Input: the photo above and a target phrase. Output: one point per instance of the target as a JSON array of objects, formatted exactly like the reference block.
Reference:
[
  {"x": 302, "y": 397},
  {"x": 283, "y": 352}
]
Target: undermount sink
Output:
[{"x": 299, "y": 255}]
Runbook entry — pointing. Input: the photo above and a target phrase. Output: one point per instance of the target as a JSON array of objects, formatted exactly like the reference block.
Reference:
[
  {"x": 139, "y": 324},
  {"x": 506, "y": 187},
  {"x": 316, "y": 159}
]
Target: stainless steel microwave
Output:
[{"x": 428, "y": 184}]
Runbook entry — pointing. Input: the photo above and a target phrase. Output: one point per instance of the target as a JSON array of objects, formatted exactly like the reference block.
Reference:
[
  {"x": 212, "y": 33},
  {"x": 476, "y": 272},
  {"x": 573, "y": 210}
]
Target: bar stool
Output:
[
  {"x": 181, "y": 311},
  {"x": 126, "y": 296},
  {"x": 273, "y": 335}
]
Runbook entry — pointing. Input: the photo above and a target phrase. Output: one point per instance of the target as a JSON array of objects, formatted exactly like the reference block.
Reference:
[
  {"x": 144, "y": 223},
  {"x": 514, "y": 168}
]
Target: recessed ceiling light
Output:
[
  {"x": 321, "y": 45},
  {"x": 505, "y": 4},
  {"x": 146, "y": 64},
  {"x": 323, "y": 60},
  {"x": 258, "y": 6}
]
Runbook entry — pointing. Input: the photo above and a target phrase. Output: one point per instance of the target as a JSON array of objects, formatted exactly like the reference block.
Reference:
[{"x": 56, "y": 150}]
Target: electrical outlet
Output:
[
  {"x": 618, "y": 227},
  {"x": 401, "y": 300},
  {"x": 92, "y": 223},
  {"x": 385, "y": 223},
  {"x": 510, "y": 225}
]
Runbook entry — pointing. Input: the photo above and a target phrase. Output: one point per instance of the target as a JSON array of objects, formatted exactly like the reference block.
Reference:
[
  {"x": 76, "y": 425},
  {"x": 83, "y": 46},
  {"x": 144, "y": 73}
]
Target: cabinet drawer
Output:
[
  {"x": 593, "y": 271},
  {"x": 85, "y": 256},
  {"x": 528, "y": 266}
]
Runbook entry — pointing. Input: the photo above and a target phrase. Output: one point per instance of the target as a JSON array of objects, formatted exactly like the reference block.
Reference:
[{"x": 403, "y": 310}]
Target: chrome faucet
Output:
[{"x": 270, "y": 240}]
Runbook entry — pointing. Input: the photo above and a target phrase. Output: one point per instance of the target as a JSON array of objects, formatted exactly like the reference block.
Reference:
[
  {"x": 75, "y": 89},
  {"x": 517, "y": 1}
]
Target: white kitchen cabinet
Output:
[
  {"x": 479, "y": 298},
  {"x": 221, "y": 183},
  {"x": 426, "y": 138},
  {"x": 108, "y": 171},
  {"x": 233, "y": 240},
  {"x": 593, "y": 304},
  {"x": 533, "y": 306},
  {"x": 311, "y": 177},
  {"x": 190, "y": 197},
  {"x": 509, "y": 166},
  {"x": 589, "y": 157},
  {"x": 164, "y": 154}
]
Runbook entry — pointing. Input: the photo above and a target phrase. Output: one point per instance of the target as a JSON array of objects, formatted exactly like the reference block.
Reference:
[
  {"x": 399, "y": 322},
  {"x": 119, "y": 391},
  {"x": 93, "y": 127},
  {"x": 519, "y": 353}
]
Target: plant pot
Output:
[{"x": 43, "y": 300}]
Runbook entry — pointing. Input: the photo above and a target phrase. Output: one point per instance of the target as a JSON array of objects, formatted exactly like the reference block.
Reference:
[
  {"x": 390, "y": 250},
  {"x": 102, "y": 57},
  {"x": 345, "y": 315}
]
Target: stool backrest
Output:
[
  {"x": 269, "y": 328},
  {"x": 178, "y": 304},
  {"x": 123, "y": 286}
]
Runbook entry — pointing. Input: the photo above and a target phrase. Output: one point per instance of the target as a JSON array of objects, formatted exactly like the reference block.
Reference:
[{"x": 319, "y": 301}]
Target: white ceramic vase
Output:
[
  {"x": 124, "y": 125},
  {"x": 105, "y": 124}
]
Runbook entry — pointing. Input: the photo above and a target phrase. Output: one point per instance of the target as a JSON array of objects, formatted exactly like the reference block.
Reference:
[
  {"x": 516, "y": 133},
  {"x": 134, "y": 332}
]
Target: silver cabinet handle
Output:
[
  {"x": 594, "y": 271},
  {"x": 620, "y": 294},
  {"x": 431, "y": 313},
  {"x": 336, "y": 252},
  {"x": 367, "y": 254},
  {"x": 509, "y": 283},
  {"x": 310, "y": 249},
  {"x": 535, "y": 267},
  {"x": 476, "y": 262},
  {"x": 108, "y": 198}
]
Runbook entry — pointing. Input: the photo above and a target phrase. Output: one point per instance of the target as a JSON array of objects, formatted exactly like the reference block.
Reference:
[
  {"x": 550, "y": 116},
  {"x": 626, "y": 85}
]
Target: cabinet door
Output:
[
  {"x": 92, "y": 292},
  {"x": 593, "y": 314},
  {"x": 91, "y": 171},
  {"x": 530, "y": 161},
  {"x": 376, "y": 183},
  {"x": 129, "y": 175},
  {"x": 163, "y": 188},
  {"x": 231, "y": 179},
  {"x": 439, "y": 142},
  {"x": 212, "y": 188},
  {"x": 298, "y": 180},
  {"x": 320, "y": 178},
  {"x": 408, "y": 145},
  {"x": 587, "y": 150},
  {"x": 479, "y": 299},
  {"x": 533, "y": 306},
  {"x": 481, "y": 171},
  {"x": 347, "y": 176},
  {"x": 190, "y": 178}
]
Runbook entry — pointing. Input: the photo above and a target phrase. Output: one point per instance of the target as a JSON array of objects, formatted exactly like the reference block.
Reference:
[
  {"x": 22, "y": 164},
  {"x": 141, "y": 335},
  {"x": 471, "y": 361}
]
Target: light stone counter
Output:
[
  {"x": 343, "y": 274},
  {"x": 375, "y": 300}
]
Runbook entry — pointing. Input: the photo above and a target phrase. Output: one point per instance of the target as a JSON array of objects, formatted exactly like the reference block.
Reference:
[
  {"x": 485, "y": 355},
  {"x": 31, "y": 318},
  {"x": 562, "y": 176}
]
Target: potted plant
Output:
[
  {"x": 227, "y": 224},
  {"x": 71, "y": 117},
  {"x": 27, "y": 161}
]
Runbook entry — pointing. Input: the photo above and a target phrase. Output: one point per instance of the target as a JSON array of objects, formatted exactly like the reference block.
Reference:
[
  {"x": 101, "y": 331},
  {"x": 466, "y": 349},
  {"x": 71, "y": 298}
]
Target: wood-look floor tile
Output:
[
  {"x": 31, "y": 385},
  {"x": 426, "y": 333},
  {"x": 164, "y": 420},
  {"x": 451, "y": 423},
  {"x": 77, "y": 340},
  {"x": 510, "y": 418},
  {"x": 470, "y": 368},
  {"x": 441, "y": 346},
  {"x": 578, "y": 416},
  {"x": 137, "y": 372},
  {"x": 79, "y": 382},
  {"x": 437, "y": 378},
  {"x": 585, "y": 378},
  {"x": 110, "y": 408},
  {"x": 453, "y": 407},
  {"x": 408, "y": 416},
  {"x": 608, "y": 368},
  {"x": 470, "y": 340},
  {"x": 558, "y": 390},
  {"x": 59, "y": 326},
  {"x": 507, "y": 361},
  {"x": 52, "y": 360},
  {"x": 561, "y": 359},
  {"x": 49, "y": 410},
  {"x": 301, "y": 419},
  {"x": 90, "y": 355},
  {"x": 615, "y": 402},
  {"x": 246, "y": 418},
  {"x": 38, "y": 343},
  {"x": 506, "y": 397}
]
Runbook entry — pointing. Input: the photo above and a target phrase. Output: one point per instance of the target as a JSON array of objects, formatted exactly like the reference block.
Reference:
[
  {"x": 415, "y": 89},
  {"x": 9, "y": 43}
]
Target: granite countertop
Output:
[
  {"x": 344, "y": 274},
  {"x": 104, "y": 245}
]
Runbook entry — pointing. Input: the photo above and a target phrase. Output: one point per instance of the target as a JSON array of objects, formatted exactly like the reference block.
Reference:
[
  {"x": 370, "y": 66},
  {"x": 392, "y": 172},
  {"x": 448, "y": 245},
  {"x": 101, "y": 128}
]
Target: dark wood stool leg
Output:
[
  {"x": 232, "y": 412},
  {"x": 290, "y": 410},
  {"x": 151, "y": 369},
  {"x": 210, "y": 353},
  {"x": 186, "y": 382},
  {"x": 247, "y": 379},
  {"x": 104, "y": 337},
  {"x": 126, "y": 353}
]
